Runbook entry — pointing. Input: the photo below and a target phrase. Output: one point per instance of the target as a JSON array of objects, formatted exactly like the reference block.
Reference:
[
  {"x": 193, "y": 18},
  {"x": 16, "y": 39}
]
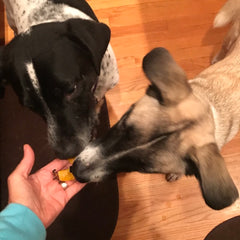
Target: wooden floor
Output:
[
  {"x": 2, "y": 23},
  {"x": 150, "y": 208}
]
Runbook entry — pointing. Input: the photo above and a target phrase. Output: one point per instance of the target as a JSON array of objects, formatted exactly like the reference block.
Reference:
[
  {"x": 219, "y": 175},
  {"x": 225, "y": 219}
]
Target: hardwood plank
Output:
[
  {"x": 9, "y": 34},
  {"x": 2, "y": 23}
]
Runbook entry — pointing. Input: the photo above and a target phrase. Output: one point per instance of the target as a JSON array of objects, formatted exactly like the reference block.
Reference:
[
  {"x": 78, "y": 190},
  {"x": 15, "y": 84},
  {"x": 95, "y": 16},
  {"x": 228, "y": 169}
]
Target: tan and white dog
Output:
[{"x": 178, "y": 127}]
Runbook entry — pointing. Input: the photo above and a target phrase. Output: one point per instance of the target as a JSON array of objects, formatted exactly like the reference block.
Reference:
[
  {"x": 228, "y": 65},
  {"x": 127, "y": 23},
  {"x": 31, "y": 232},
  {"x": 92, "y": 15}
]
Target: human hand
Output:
[{"x": 39, "y": 191}]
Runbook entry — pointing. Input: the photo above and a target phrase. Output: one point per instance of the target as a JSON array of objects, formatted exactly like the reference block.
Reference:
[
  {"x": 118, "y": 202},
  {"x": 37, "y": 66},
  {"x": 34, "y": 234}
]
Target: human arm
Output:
[
  {"x": 39, "y": 192},
  {"x": 18, "y": 222}
]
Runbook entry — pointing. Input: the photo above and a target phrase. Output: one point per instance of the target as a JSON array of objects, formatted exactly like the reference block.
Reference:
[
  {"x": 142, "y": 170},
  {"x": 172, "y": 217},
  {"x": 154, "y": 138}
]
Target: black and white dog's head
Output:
[
  {"x": 169, "y": 130},
  {"x": 54, "y": 70}
]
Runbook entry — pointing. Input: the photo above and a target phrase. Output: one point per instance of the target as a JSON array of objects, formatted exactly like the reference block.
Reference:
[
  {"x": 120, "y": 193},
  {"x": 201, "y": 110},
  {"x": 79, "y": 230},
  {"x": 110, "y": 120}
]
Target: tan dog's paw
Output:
[
  {"x": 171, "y": 177},
  {"x": 218, "y": 57}
]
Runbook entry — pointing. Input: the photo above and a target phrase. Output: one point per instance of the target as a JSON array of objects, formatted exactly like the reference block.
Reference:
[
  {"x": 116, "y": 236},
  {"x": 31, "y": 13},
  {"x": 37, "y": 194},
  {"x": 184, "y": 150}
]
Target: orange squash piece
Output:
[{"x": 65, "y": 174}]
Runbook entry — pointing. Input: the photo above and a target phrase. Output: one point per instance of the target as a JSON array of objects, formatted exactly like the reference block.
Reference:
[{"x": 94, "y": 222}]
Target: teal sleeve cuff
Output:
[{"x": 18, "y": 222}]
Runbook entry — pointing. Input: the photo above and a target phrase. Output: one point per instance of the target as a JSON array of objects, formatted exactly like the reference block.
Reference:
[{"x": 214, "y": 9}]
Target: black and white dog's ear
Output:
[
  {"x": 165, "y": 74},
  {"x": 93, "y": 35}
]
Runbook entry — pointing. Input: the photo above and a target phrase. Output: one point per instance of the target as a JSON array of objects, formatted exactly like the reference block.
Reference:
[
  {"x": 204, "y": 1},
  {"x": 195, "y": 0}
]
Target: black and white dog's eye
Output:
[{"x": 72, "y": 90}]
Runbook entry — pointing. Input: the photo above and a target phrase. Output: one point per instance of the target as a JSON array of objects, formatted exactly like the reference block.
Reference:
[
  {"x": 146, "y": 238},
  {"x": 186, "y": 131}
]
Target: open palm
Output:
[{"x": 40, "y": 191}]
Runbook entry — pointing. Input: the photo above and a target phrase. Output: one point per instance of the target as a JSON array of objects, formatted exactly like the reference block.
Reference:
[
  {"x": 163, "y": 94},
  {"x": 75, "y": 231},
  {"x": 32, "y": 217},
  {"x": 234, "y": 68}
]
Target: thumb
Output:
[{"x": 25, "y": 166}]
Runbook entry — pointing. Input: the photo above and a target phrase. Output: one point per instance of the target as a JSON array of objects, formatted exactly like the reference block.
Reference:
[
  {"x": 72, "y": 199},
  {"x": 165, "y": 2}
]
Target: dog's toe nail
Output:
[{"x": 171, "y": 177}]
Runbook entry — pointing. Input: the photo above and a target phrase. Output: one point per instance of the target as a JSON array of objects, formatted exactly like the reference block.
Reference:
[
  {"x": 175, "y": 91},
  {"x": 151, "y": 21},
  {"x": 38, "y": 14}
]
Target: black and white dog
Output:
[{"x": 60, "y": 64}]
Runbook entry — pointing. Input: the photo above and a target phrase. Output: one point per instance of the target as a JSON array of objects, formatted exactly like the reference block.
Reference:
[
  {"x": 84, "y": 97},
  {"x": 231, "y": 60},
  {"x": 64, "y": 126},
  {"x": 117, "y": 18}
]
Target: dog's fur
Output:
[
  {"x": 60, "y": 64},
  {"x": 177, "y": 127}
]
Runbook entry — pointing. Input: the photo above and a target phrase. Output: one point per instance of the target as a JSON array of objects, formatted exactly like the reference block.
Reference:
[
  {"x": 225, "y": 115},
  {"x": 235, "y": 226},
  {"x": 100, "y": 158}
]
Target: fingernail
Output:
[{"x": 25, "y": 147}]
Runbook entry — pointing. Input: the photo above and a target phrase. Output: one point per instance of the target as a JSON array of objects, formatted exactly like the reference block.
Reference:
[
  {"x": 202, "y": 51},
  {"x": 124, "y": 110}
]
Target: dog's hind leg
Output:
[{"x": 228, "y": 43}]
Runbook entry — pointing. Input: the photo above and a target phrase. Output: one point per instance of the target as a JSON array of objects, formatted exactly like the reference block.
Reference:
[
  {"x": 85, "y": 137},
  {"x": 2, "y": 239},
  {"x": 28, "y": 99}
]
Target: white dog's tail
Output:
[{"x": 229, "y": 13}]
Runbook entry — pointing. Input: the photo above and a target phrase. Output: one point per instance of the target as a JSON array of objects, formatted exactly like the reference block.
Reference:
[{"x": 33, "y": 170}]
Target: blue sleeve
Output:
[{"x": 18, "y": 222}]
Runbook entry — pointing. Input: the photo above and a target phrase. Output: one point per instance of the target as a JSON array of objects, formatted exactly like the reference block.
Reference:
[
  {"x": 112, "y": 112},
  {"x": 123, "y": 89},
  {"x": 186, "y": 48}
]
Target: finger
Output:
[
  {"x": 73, "y": 189},
  {"x": 56, "y": 164},
  {"x": 25, "y": 166}
]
